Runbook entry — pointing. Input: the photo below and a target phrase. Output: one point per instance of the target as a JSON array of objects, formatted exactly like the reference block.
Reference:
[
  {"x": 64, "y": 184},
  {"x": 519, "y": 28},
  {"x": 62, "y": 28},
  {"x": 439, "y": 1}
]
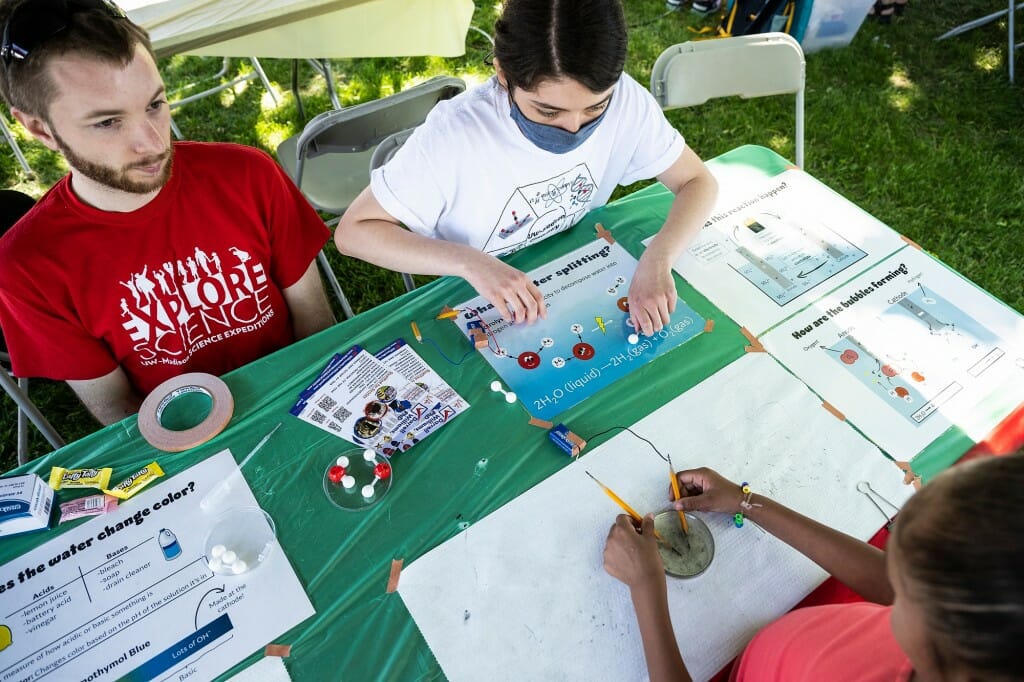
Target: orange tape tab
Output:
[
  {"x": 755, "y": 345},
  {"x": 546, "y": 425},
  {"x": 911, "y": 242},
  {"x": 709, "y": 325},
  {"x": 835, "y": 413},
  {"x": 909, "y": 477},
  {"x": 278, "y": 650},
  {"x": 396, "y": 570},
  {"x": 604, "y": 234}
]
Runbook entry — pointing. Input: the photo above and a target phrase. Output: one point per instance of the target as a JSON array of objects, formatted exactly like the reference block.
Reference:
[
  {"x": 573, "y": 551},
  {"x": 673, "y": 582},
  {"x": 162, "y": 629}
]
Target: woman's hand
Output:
[
  {"x": 510, "y": 291},
  {"x": 705, "y": 489},
  {"x": 652, "y": 296},
  {"x": 632, "y": 556}
]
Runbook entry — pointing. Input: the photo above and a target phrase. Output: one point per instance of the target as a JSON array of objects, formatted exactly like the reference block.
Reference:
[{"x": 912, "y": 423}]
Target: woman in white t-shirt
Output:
[{"x": 526, "y": 155}]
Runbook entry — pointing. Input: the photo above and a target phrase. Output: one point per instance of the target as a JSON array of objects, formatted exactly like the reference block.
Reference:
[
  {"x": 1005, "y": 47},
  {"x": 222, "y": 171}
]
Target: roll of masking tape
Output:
[{"x": 150, "y": 414}]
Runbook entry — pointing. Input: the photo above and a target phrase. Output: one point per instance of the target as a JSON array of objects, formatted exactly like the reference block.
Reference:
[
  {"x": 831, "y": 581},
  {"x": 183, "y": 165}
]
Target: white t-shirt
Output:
[{"x": 468, "y": 174}]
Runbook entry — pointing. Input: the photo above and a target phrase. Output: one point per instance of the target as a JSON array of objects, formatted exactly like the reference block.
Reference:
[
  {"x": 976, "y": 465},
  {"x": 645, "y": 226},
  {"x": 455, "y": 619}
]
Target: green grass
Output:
[{"x": 924, "y": 135}]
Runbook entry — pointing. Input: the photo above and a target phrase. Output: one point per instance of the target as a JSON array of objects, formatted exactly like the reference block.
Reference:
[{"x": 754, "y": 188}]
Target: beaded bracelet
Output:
[{"x": 745, "y": 504}]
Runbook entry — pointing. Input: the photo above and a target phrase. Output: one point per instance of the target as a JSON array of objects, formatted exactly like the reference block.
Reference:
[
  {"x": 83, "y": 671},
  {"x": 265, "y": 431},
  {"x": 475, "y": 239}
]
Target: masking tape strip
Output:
[
  {"x": 911, "y": 242},
  {"x": 755, "y": 345},
  {"x": 279, "y": 650},
  {"x": 709, "y": 325},
  {"x": 835, "y": 413},
  {"x": 604, "y": 234},
  {"x": 541, "y": 423},
  {"x": 161, "y": 438},
  {"x": 909, "y": 477},
  {"x": 396, "y": 571}
]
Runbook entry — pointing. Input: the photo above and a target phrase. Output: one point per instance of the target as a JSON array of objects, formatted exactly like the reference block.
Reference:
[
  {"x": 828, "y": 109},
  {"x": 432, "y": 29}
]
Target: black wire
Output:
[{"x": 653, "y": 447}]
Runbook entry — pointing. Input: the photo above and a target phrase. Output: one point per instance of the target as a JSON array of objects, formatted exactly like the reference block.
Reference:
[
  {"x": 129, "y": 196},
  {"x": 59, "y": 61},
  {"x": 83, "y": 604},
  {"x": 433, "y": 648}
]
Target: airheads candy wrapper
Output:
[
  {"x": 136, "y": 482},
  {"x": 79, "y": 478}
]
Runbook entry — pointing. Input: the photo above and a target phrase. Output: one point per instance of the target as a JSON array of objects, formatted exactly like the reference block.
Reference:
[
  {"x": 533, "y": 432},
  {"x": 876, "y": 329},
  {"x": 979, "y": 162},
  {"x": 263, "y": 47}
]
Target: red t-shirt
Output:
[
  {"x": 832, "y": 642},
  {"x": 189, "y": 282}
]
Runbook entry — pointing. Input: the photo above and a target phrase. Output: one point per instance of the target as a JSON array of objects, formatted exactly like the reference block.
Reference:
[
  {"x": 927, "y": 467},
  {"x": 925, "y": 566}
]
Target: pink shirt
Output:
[{"x": 832, "y": 642}]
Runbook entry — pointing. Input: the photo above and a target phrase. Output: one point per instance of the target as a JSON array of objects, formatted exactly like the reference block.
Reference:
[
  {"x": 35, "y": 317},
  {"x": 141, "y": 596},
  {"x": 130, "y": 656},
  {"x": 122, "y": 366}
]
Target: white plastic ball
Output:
[
  {"x": 510, "y": 397},
  {"x": 216, "y": 564},
  {"x": 633, "y": 338},
  {"x": 239, "y": 567},
  {"x": 369, "y": 455},
  {"x": 367, "y": 491},
  {"x": 495, "y": 385},
  {"x": 348, "y": 481},
  {"x": 342, "y": 461},
  {"x": 228, "y": 557},
  {"x": 217, "y": 550}
]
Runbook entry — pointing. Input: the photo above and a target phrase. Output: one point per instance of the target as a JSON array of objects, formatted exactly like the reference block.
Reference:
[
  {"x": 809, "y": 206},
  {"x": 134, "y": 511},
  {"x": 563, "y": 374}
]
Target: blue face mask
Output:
[{"x": 552, "y": 138}]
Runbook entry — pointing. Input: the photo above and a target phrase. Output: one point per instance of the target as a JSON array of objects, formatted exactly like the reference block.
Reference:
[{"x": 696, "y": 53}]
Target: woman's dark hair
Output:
[
  {"x": 585, "y": 40},
  {"x": 960, "y": 541}
]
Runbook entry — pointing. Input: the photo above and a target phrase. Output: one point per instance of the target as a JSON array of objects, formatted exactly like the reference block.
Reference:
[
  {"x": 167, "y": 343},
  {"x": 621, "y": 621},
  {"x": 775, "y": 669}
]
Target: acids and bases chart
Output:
[
  {"x": 765, "y": 254},
  {"x": 130, "y": 594},
  {"x": 388, "y": 401},
  {"x": 907, "y": 350},
  {"x": 584, "y": 344}
]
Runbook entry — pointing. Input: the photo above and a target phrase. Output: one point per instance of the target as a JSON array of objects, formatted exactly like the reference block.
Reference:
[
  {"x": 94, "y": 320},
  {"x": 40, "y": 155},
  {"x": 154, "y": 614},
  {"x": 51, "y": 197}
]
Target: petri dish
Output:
[
  {"x": 360, "y": 473},
  {"x": 684, "y": 556},
  {"x": 239, "y": 541}
]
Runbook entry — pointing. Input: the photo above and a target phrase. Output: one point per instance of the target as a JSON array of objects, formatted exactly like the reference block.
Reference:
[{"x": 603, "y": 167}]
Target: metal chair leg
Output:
[
  {"x": 13, "y": 144},
  {"x": 263, "y": 78},
  {"x": 332, "y": 280},
  {"x": 295, "y": 91},
  {"x": 20, "y": 397},
  {"x": 409, "y": 283}
]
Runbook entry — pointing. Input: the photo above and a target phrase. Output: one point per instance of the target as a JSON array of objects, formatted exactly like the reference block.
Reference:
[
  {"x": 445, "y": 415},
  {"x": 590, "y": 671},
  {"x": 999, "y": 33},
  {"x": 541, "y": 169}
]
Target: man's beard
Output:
[{"x": 115, "y": 178}]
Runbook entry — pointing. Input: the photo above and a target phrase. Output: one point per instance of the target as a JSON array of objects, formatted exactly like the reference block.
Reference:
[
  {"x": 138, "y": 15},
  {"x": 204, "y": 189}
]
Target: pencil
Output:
[
  {"x": 619, "y": 501},
  {"x": 416, "y": 331},
  {"x": 676, "y": 496}
]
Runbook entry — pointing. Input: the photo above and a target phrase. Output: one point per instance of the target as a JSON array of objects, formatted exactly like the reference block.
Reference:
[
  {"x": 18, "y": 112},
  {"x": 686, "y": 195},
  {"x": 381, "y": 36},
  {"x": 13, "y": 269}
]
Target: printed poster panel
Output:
[
  {"x": 906, "y": 351},
  {"x": 769, "y": 251},
  {"x": 130, "y": 595},
  {"x": 583, "y": 345}
]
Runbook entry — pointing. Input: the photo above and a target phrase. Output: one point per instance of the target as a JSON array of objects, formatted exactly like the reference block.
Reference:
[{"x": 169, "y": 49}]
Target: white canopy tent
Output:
[{"x": 297, "y": 29}]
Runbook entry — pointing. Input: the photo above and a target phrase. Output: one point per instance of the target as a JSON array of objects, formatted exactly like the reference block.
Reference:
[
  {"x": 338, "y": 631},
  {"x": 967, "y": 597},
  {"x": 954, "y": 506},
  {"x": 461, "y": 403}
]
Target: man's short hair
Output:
[{"x": 94, "y": 33}]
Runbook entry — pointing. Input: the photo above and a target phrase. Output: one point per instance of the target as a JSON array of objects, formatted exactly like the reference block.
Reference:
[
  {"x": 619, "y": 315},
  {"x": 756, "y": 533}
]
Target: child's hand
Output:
[
  {"x": 632, "y": 556},
  {"x": 707, "y": 490}
]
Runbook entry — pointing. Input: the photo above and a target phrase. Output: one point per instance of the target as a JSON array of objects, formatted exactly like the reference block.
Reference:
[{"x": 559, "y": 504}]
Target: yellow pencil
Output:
[
  {"x": 676, "y": 496},
  {"x": 416, "y": 331},
  {"x": 619, "y": 501}
]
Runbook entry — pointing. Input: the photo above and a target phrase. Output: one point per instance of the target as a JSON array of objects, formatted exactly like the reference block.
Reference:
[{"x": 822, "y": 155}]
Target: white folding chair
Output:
[
  {"x": 13, "y": 205},
  {"x": 330, "y": 159},
  {"x": 17, "y": 390},
  {"x": 759, "y": 65}
]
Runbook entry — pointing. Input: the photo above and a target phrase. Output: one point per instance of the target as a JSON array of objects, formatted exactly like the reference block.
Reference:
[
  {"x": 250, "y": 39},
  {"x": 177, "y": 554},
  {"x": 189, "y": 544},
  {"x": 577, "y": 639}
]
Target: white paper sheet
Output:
[
  {"x": 522, "y": 595},
  {"x": 130, "y": 595},
  {"x": 907, "y": 350},
  {"x": 772, "y": 247}
]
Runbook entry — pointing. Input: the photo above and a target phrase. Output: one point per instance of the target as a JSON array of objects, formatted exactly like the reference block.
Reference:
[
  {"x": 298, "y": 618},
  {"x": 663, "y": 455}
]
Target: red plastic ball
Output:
[
  {"x": 382, "y": 470},
  {"x": 336, "y": 473}
]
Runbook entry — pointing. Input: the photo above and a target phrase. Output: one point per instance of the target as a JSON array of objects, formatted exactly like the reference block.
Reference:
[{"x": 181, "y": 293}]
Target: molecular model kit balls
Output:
[
  {"x": 510, "y": 397},
  {"x": 224, "y": 560}
]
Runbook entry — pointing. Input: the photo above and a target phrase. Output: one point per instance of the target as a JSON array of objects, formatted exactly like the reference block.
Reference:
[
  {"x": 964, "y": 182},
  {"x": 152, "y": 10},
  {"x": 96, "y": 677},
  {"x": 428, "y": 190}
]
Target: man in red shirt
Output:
[{"x": 149, "y": 259}]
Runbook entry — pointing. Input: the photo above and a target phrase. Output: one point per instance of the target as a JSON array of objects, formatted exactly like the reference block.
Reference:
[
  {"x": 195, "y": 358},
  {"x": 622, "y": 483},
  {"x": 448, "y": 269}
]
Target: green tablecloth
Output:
[{"x": 343, "y": 559}]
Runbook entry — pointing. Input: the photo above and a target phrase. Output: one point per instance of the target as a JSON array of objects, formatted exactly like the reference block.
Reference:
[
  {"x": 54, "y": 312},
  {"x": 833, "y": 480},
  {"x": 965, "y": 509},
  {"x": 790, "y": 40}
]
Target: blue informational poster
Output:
[{"x": 584, "y": 343}]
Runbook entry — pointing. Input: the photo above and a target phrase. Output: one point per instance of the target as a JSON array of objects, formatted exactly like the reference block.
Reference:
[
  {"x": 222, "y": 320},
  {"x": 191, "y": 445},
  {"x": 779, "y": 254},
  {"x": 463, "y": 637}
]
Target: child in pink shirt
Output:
[{"x": 945, "y": 602}]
